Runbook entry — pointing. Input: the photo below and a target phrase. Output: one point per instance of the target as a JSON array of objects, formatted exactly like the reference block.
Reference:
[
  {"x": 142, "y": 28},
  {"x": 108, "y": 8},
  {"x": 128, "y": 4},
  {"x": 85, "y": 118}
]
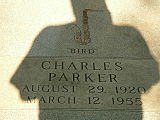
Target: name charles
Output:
[{"x": 78, "y": 71}]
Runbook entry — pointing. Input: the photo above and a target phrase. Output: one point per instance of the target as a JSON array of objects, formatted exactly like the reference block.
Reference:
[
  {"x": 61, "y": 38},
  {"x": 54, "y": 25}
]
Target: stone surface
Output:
[{"x": 86, "y": 68}]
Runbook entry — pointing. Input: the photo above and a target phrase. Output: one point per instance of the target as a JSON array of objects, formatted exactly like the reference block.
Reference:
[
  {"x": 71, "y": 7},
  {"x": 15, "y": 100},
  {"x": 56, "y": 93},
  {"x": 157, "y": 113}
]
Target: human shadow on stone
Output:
[{"x": 93, "y": 32}]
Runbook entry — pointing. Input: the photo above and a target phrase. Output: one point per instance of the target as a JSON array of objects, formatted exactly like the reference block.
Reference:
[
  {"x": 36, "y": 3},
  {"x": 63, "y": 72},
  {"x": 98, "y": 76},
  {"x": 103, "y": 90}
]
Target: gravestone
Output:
[{"x": 87, "y": 70}]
